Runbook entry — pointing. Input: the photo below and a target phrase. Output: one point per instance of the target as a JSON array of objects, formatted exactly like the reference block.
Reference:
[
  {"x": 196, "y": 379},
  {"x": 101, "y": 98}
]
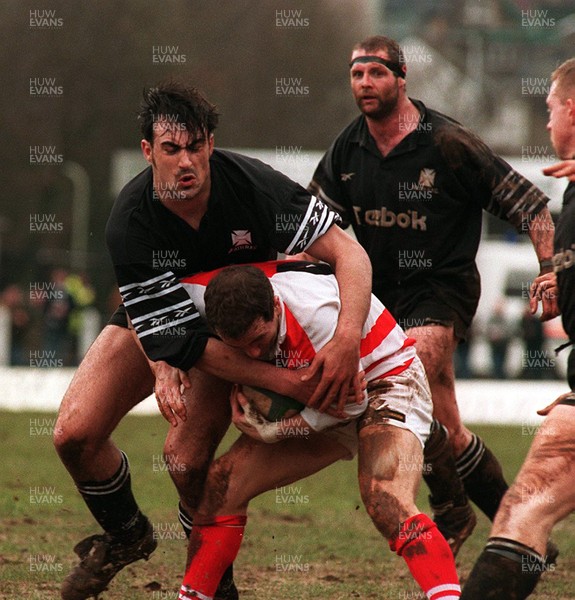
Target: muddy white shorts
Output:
[{"x": 402, "y": 400}]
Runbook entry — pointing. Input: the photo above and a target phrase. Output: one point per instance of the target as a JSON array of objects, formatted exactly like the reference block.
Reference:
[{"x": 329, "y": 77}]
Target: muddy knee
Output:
[
  {"x": 383, "y": 508},
  {"x": 74, "y": 447}
]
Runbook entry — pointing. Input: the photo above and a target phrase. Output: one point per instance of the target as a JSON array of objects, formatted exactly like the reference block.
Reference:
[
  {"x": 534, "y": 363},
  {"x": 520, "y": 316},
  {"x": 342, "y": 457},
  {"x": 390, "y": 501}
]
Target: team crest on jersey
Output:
[
  {"x": 346, "y": 176},
  {"x": 427, "y": 178},
  {"x": 242, "y": 240}
]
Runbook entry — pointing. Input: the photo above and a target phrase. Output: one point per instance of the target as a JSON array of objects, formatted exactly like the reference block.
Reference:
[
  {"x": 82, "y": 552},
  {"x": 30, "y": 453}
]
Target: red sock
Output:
[
  {"x": 214, "y": 548},
  {"x": 428, "y": 557}
]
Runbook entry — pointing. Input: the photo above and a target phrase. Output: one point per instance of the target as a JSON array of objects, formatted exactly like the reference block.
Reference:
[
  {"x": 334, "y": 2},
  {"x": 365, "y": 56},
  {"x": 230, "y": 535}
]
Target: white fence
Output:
[{"x": 480, "y": 401}]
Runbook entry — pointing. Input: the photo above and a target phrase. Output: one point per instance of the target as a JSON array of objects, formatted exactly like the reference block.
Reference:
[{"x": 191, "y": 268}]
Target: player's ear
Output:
[
  {"x": 211, "y": 143},
  {"x": 146, "y": 150},
  {"x": 570, "y": 104}
]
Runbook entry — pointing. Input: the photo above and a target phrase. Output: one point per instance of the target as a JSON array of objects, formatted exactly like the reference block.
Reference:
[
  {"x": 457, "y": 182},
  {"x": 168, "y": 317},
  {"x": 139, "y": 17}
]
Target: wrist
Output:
[
  {"x": 545, "y": 266},
  {"x": 349, "y": 332}
]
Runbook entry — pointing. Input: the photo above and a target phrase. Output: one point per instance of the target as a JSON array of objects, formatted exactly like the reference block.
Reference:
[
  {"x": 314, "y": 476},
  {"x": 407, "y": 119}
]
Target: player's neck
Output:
[
  {"x": 390, "y": 130},
  {"x": 191, "y": 210}
]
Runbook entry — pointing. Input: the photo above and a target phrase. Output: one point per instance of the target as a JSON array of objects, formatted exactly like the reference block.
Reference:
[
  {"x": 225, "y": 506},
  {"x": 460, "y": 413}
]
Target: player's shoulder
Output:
[
  {"x": 240, "y": 165},
  {"x": 445, "y": 129},
  {"x": 250, "y": 173},
  {"x": 458, "y": 144},
  {"x": 131, "y": 199}
]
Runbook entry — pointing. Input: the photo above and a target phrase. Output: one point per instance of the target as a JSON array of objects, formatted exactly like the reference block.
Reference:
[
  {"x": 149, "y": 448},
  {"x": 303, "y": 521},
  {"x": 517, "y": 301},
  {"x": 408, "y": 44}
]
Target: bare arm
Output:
[
  {"x": 338, "y": 360},
  {"x": 232, "y": 365},
  {"x": 541, "y": 230}
]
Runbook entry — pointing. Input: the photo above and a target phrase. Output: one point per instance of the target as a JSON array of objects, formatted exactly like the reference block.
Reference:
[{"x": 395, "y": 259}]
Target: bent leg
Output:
[
  {"x": 477, "y": 467},
  {"x": 541, "y": 496},
  {"x": 390, "y": 465},
  {"x": 190, "y": 447},
  {"x": 543, "y": 492},
  {"x": 436, "y": 345},
  {"x": 113, "y": 377},
  {"x": 248, "y": 469}
]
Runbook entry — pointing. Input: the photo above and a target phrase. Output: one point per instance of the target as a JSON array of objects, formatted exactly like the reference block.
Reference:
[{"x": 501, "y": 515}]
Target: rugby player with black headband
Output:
[
  {"x": 193, "y": 209},
  {"x": 413, "y": 184}
]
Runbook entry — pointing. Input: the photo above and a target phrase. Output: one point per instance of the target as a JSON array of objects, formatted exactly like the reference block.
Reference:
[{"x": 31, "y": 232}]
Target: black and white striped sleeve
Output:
[
  {"x": 164, "y": 317},
  {"x": 317, "y": 219}
]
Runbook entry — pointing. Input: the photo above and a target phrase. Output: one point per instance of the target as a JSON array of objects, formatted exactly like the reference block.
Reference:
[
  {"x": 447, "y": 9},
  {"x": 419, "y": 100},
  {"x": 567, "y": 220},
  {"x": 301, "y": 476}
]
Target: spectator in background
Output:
[
  {"x": 461, "y": 357},
  {"x": 12, "y": 298},
  {"x": 82, "y": 294},
  {"x": 533, "y": 357},
  {"x": 58, "y": 307},
  {"x": 499, "y": 334}
]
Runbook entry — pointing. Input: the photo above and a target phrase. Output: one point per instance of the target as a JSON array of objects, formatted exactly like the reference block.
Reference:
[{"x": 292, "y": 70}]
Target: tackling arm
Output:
[{"x": 339, "y": 358}]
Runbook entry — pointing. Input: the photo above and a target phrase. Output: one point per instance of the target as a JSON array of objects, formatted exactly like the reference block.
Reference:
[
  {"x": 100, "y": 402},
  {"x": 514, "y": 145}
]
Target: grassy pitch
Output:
[{"x": 310, "y": 540}]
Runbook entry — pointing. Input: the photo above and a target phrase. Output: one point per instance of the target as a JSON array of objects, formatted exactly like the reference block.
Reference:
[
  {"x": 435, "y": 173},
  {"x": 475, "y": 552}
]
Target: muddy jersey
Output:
[
  {"x": 310, "y": 305},
  {"x": 253, "y": 213},
  {"x": 418, "y": 210},
  {"x": 564, "y": 267}
]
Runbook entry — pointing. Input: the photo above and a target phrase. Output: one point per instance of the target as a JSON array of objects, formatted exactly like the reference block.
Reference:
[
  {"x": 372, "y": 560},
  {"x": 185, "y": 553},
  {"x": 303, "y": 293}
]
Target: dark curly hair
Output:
[
  {"x": 175, "y": 102},
  {"x": 235, "y": 298}
]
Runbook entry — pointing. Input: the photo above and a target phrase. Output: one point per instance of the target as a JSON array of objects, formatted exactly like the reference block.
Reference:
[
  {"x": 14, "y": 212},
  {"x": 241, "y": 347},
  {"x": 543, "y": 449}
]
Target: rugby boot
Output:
[
  {"x": 456, "y": 523},
  {"x": 101, "y": 558}
]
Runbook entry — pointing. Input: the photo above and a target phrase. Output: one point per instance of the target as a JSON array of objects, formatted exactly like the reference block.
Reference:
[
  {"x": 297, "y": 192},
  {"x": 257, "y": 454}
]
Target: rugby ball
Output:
[{"x": 271, "y": 405}]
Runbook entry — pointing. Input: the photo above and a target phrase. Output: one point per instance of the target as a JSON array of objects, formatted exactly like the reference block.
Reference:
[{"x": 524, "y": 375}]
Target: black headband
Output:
[{"x": 394, "y": 67}]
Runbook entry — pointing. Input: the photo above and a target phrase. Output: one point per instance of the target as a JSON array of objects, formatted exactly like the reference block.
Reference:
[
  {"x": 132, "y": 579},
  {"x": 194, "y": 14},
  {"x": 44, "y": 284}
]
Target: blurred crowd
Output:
[
  {"x": 47, "y": 317},
  {"x": 517, "y": 347}
]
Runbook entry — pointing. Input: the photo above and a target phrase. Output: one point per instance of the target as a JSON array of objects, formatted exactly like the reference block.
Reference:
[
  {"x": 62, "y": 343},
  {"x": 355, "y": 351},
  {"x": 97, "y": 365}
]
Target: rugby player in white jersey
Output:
[{"x": 285, "y": 311}]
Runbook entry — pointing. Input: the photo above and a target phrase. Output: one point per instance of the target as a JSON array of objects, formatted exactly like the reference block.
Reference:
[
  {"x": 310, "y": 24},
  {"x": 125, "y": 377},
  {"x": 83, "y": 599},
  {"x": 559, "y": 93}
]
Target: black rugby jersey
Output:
[
  {"x": 253, "y": 213},
  {"x": 417, "y": 211},
  {"x": 564, "y": 267}
]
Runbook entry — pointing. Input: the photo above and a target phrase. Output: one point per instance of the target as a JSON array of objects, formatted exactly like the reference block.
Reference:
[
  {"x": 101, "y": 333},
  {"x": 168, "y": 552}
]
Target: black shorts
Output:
[
  {"x": 119, "y": 318},
  {"x": 419, "y": 307},
  {"x": 434, "y": 312},
  {"x": 449, "y": 301}
]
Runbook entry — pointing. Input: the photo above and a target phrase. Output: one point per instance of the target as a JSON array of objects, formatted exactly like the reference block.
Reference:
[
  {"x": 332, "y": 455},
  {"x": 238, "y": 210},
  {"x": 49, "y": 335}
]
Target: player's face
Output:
[
  {"x": 561, "y": 124},
  {"x": 260, "y": 340},
  {"x": 180, "y": 162},
  {"x": 375, "y": 88}
]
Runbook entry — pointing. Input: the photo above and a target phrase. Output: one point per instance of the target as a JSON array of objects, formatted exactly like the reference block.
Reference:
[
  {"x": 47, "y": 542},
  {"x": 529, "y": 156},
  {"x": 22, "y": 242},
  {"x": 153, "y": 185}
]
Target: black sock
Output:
[
  {"x": 113, "y": 504},
  {"x": 505, "y": 570},
  {"x": 439, "y": 469},
  {"x": 185, "y": 520},
  {"x": 482, "y": 476}
]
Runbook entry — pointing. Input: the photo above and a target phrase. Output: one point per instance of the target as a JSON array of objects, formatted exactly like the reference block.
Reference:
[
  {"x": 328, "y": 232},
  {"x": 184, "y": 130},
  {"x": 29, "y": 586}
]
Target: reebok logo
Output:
[{"x": 381, "y": 217}]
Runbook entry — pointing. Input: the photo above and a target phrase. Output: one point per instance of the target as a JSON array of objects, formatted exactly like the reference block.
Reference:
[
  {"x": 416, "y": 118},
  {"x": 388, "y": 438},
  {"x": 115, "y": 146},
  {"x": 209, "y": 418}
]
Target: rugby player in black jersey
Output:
[
  {"x": 194, "y": 209},
  {"x": 543, "y": 492},
  {"x": 413, "y": 184}
]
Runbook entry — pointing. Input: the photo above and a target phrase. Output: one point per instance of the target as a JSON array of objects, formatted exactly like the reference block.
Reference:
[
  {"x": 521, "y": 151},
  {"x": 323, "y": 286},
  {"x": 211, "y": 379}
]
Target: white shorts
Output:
[
  {"x": 346, "y": 435},
  {"x": 402, "y": 400}
]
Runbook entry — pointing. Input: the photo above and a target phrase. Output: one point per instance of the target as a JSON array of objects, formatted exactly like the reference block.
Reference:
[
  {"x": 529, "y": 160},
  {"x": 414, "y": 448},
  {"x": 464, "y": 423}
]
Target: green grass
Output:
[{"x": 311, "y": 541}]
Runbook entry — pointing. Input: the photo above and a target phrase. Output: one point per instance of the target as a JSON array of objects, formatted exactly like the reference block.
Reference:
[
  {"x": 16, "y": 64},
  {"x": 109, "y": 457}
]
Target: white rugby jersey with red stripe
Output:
[{"x": 310, "y": 305}]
